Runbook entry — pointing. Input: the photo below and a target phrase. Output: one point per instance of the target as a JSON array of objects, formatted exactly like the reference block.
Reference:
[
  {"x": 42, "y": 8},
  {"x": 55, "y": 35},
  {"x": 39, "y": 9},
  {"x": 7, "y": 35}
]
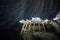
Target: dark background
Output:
[{"x": 11, "y": 11}]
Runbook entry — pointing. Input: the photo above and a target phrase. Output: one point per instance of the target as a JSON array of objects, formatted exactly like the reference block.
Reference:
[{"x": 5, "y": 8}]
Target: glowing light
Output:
[
  {"x": 36, "y": 19},
  {"x": 55, "y": 18},
  {"x": 22, "y": 21},
  {"x": 46, "y": 20}
]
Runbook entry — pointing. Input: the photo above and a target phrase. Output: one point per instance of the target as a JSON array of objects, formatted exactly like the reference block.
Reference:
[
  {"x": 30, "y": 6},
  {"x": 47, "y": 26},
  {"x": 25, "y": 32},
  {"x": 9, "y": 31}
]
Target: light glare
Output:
[
  {"x": 55, "y": 18},
  {"x": 36, "y": 18},
  {"x": 22, "y": 21},
  {"x": 46, "y": 20}
]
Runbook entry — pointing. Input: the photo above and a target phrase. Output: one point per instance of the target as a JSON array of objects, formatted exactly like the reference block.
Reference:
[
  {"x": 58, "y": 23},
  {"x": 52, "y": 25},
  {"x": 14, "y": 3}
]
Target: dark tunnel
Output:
[{"x": 11, "y": 11}]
